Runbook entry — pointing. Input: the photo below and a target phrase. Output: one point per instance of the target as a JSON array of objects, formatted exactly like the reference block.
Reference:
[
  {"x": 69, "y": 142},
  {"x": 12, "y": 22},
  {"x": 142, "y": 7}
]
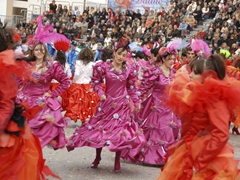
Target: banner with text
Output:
[{"x": 142, "y": 5}]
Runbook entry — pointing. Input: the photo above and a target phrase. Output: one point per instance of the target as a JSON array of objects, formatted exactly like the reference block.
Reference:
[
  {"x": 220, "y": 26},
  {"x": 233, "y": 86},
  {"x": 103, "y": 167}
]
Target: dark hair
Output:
[
  {"x": 6, "y": 38},
  {"x": 86, "y": 55},
  {"x": 155, "y": 51},
  {"x": 216, "y": 63},
  {"x": 188, "y": 48},
  {"x": 61, "y": 58},
  {"x": 184, "y": 53},
  {"x": 197, "y": 66},
  {"x": 107, "y": 54},
  {"x": 139, "y": 54},
  {"x": 160, "y": 58},
  {"x": 122, "y": 49},
  {"x": 217, "y": 49},
  {"x": 24, "y": 40}
]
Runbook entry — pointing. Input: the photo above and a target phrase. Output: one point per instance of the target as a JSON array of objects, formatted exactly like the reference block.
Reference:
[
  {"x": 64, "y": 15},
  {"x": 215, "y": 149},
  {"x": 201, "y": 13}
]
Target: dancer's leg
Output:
[
  {"x": 97, "y": 158},
  {"x": 117, "y": 166}
]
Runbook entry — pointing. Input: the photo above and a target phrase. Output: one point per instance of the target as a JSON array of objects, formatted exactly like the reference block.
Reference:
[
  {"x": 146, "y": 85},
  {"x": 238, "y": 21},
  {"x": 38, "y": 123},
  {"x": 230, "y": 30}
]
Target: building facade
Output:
[{"x": 13, "y": 10}]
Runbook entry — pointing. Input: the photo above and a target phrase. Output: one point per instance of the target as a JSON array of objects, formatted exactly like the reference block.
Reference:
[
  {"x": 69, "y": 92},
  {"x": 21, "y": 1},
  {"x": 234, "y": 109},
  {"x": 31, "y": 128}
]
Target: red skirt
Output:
[{"x": 82, "y": 102}]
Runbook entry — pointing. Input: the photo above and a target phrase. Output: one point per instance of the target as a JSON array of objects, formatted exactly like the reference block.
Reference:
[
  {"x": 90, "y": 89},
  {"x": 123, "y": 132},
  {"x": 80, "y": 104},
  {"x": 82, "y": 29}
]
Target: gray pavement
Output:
[{"x": 75, "y": 165}]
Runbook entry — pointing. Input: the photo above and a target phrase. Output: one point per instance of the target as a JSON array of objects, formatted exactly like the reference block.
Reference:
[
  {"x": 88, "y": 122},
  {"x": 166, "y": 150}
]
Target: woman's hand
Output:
[
  {"x": 103, "y": 97},
  {"x": 47, "y": 94},
  {"x": 137, "y": 108}
]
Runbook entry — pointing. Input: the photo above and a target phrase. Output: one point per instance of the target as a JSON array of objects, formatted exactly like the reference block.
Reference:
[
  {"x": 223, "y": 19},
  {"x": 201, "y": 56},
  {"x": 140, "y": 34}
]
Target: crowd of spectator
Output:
[{"x": 102, "y": 27}]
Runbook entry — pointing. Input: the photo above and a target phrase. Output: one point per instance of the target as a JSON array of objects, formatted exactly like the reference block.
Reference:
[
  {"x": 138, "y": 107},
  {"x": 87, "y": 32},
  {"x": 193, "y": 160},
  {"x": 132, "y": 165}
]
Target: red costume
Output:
[
  {"x": 235, "y": 73},
  {"x": 204, "y": 108},
  {"x": 20, "y": 151}
]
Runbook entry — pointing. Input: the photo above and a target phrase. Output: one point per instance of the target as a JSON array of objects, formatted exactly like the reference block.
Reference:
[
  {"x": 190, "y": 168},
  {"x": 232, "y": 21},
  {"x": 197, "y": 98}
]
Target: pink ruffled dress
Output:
[
  {"x": 47, "y": 122},
  {"x": 160, "y": 126},
  {"x": 112, "y": 124}
]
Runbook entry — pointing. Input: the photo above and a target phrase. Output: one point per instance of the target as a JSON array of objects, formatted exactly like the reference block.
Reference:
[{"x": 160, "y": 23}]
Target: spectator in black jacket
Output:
[
  {"x": 198, "y": 14},
  {"x": 53, "y": 7},
  {"x": 213, "y": 10}
]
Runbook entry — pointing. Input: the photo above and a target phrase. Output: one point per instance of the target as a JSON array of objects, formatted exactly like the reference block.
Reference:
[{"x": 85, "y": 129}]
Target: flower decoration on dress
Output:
[
  {"x": 154, "y": 108},
  {"x": 115, "y": 116},
  {"x": 108, "y": 142},
  {"x": 149, "y": 143},
  {"x": 114, "y": 105},
  {"x": 89, "y": 140},
  {"x": 59, "y": 98},
  {"x": 100, "y": 128},
  {"x": 44, "y": 34},
  {"x": 138, "y": 132},
  {"x": 140, "y": 121},
  {"x": 201, "y": 48},
  {"x": 99, "y": 68},
  {"x": 40, "y": 101},
  {"x": 124, "y": 133}
]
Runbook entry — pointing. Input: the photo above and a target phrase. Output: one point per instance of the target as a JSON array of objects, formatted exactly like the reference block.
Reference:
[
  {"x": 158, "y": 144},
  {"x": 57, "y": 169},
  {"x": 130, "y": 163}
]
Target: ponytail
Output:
[{"x": 216, "y": 63}]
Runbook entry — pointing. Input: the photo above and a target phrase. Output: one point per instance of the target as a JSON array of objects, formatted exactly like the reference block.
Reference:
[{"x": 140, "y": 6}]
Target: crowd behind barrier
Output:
[{"x": 99, "y": 28}]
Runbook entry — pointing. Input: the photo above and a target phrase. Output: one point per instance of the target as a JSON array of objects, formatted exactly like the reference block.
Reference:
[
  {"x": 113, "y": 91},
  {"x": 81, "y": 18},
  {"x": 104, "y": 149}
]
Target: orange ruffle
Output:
[
  {"x": 22, "y": 159},
  {"x": 235, "y": 73},
  {"x": 187, "y": 96},
  {"x": 222, "y": 167},
  {"x": 21, "y": 69}
]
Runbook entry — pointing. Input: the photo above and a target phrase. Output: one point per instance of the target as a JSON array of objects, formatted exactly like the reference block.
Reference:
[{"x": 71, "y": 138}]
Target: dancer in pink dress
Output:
[
  {"x": 47, "y": 123},
  {"x": 112, "y": 124},
  {"x": 46, "y": 120},
  {"x": 160, "y": 126}
]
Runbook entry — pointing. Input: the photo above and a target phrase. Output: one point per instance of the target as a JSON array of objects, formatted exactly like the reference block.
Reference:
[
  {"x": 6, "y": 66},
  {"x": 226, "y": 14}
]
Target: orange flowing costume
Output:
[
  {"x": 203, "y": 153},
  {"x": 235, "y": 73},
  {"x": 20, "y": 151}
]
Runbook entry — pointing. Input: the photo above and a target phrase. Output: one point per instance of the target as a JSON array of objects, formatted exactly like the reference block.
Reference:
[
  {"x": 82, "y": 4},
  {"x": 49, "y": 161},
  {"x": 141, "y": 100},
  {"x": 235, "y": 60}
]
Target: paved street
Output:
[{"x": 75, "y": 165}]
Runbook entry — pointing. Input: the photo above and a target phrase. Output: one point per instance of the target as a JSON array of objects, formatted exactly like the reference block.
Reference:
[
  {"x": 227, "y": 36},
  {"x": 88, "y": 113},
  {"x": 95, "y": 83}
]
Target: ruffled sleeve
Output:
[
  {"x": 150, "y": 76},
  {"x": 8, "y": 90},
  {"x": 131, "y": 85},
  {"x": 99, "y": 72},
  {"x": 58, "y": 74}
]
